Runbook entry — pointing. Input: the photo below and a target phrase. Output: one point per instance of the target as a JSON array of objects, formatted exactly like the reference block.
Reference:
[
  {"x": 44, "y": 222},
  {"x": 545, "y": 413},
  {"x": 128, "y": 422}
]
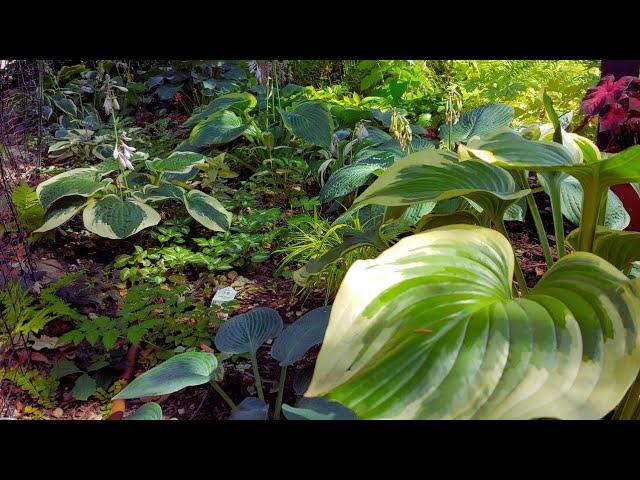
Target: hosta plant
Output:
[
  {"x": 120, "y": 208},
  {"x": 245, "y": 334}
]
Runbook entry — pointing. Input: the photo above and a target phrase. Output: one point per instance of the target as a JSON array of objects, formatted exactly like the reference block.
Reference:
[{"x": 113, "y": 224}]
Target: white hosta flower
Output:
[
  {"x": 123, "y": 152},
  {"x": 108, "y": 107},
  {"x": 361, "y": 133}
]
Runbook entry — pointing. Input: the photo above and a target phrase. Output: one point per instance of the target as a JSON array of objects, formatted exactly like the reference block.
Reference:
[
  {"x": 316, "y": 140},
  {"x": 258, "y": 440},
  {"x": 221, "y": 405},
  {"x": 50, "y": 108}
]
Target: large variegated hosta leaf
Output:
[
  {"x": 83, "y": 182},
  {"x": 112, "y": 217},
  {"x": 217, "y": 129},
  {"x": 438, "y": 334},
  {"x": 164, "y": 191},
  {"x": 618, "y": 248},
  {"x": 207, "y": 211},
  {"x": 429, "y": 176},
  {"x": 177, "y": 162},
  {"x": 311, "y": 122},
  {"x": 60, "y": 212},
  {"x": 237, "y": 101},
  {"x": 478, "y": 121}
]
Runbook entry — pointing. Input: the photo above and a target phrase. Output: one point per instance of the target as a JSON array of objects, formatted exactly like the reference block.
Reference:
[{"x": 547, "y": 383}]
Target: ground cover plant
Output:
[{"x": 335, "y": 240}]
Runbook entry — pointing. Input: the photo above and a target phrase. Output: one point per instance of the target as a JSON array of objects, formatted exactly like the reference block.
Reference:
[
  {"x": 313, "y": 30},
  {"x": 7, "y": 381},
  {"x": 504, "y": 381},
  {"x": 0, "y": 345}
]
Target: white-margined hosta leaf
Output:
[
  {"x": 245, "y": 333},
  {"x": 111, "y": 217},
  {"x": 479, "y": 121},
  {"x": 618, "y": 248},
  {"x": 311, "y": 122},
  {"x": 430, "y": 176},
  {"x": 183, "y": 370},
  {"x": 177, "y": 162},
  {"x": 60, "y": 212},
  {"x": 616, "y": 217},
  {"x": 83, "y": 182},
  {"x": 438, "y": 334},
  {"x": 164, "y": 191},
  {"x": 207, "y": 211}
]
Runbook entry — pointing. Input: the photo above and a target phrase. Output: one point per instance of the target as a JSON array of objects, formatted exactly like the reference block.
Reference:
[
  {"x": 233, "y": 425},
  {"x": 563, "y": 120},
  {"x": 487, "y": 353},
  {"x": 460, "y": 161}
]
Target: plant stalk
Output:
[
  {"x": 590, "y": 208},
  {"x": 283, "y": 377},
  {"x": 256, "y": 375},
  {"x": 223, "y": 394},
  {"x": 537, "y": 220},
  {"x": 558, "y": 221},
  {"x": 522, "y": 282},
  {"x": 627, "y": 408}
]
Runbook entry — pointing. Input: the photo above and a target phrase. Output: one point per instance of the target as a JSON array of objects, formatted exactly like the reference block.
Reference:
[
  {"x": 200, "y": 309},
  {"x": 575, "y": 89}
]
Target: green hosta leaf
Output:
[
  {"x": 251, "y": 408},
  {"x": 247, "y": 332},
  {"x": 439, "y": 334},
  {"x": 430, "y": 176},
  {"x": 296, "y": 340},
  {"x": 148, "y": 411},
  {"x": 65, "y": 104},
  {"x": 623, "y": 167},
  {"x": 436, "y": 220},
  {"x": 238, "y": 101},
  {"x": 84, "y": 387},
  {"x": 60, "y": 212},
  {"x": 311, "y": 122},
  {"x": 183, "y": 370},
  {"x": 78, "y": 181},
  {"x": 303, "y": 379},
  {"x": 317, "y": 409},
  {"x": 111, "y": 217},
  {"x": 207, "y": 211},
  {"x": 419, "y": 143},
  {"x": 480, "y": 121},
  {"x": 349, "y": 116},
  {"x": 516, "y": 211},
  {"x": 177, "y": 162},
  {"x": 217, "y": 129},
  {"x": 164, "y": 191},
  {"x": 618, "y": 248},
  {"x": 571, "y": 193}
]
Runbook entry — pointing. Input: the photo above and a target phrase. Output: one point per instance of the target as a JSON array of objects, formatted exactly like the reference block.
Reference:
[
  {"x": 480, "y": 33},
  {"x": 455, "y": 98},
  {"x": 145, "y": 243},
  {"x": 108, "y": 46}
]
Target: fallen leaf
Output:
[
  {"x": 38, "y": 357},
  {"x": 57, "y": 413},
  {"x": 539, "y": 271}
]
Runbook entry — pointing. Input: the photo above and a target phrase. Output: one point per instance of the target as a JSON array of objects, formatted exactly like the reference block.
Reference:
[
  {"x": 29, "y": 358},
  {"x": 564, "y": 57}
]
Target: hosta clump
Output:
[{"x": 118, "y": 209}]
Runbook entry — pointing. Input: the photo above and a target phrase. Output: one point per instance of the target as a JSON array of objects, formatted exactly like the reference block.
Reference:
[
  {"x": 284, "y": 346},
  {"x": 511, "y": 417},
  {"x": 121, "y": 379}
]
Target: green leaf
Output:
[
  {"x": 64, "y": 104},
  {"x": 349, "y": 116},
  {"x": 78, "y": 181},
  {"x": 241, "y": 102},
  {"x": 247, "y": 332},
  {"x": 217, "y": 129},
  {"x": 180, "y": 371},
  {"x": 439, "y": 334},
  {"x": 251, "y": 408},
  {"x": 148, "y": 411},
  {"x": 303, "y": 379},
  {"x": 479, "y": 121},
  {"x": 28, "y": 207},
  {"x": 436, "y": 220},
  {"x": 317, "y": 409},
  {"x": 110, "y": 217},
  {"x": 296, "y": 340},
  {"x": 177, "y": 162},
  {"x": 571, "y": 193},
  {"x": 311, "y": 122},
  {"x": 61, "y": 212},
  {"x": 84, "y": 387},
  {"x": 207, "y": 211},
  {"x": 64, "y": 367},
  {"x": 164, "y": 191},
  {"x": 618, "y": 248},
  {"x": 430, "y": 176}
]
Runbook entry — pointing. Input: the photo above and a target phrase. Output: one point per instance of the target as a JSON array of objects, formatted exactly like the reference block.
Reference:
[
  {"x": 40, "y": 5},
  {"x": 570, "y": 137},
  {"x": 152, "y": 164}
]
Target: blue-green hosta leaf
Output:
[
  {"x": 207, "y": 211},
  {"x": 311, "y": 122},
  {"x": 419, "y": 143},
  {"x": 618, "y": 248},
  {"x": 317, "y": 409},
  {"x": 237, "y": 101},
  {"x": 517, "y": 211},
  {"x": 164, "y": 191},
  {"x": 616, "y": 217},
  {"x": 217, "y": 129},
  {"x": 296, "y": 340},
  {"x": 177, "y": 162},
  {"x": 429, "y": 176},
  {"x": 111, "y": 217},
  {"x": 60, "y": 212},
  {"x": 247, "y": 332},
  {"x": 479, "y": 121},
  {"x": 84, "y": 387},
  {"x": 251, "y": 408},
  {"x": 83, "y": 182},
  {"x": 180, "y": 371},
  {"x": 303, "y": 379},
  {"x": 439, "y": 334},
  {"x": 148, "y": 411}
]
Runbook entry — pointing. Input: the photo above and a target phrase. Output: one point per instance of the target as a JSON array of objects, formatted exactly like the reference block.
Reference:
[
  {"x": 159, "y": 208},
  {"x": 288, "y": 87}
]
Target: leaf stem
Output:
[
  {"x": 558, "y": 221},
  {"x": 591, "y": 200},
  {"x": 283, "y": 377},
  {"x": 223, "y": 394},
  {"x": 627, "y": 408},
  {"x": 256, "y": 375},
  {"x": 522, "y": 282},
  {"x": 537, "y": 220}
]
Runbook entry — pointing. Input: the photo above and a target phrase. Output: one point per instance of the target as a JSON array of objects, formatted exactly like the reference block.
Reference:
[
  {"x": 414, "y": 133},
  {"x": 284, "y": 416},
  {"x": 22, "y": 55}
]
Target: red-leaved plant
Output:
[{"x": 617, "y": 104}]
